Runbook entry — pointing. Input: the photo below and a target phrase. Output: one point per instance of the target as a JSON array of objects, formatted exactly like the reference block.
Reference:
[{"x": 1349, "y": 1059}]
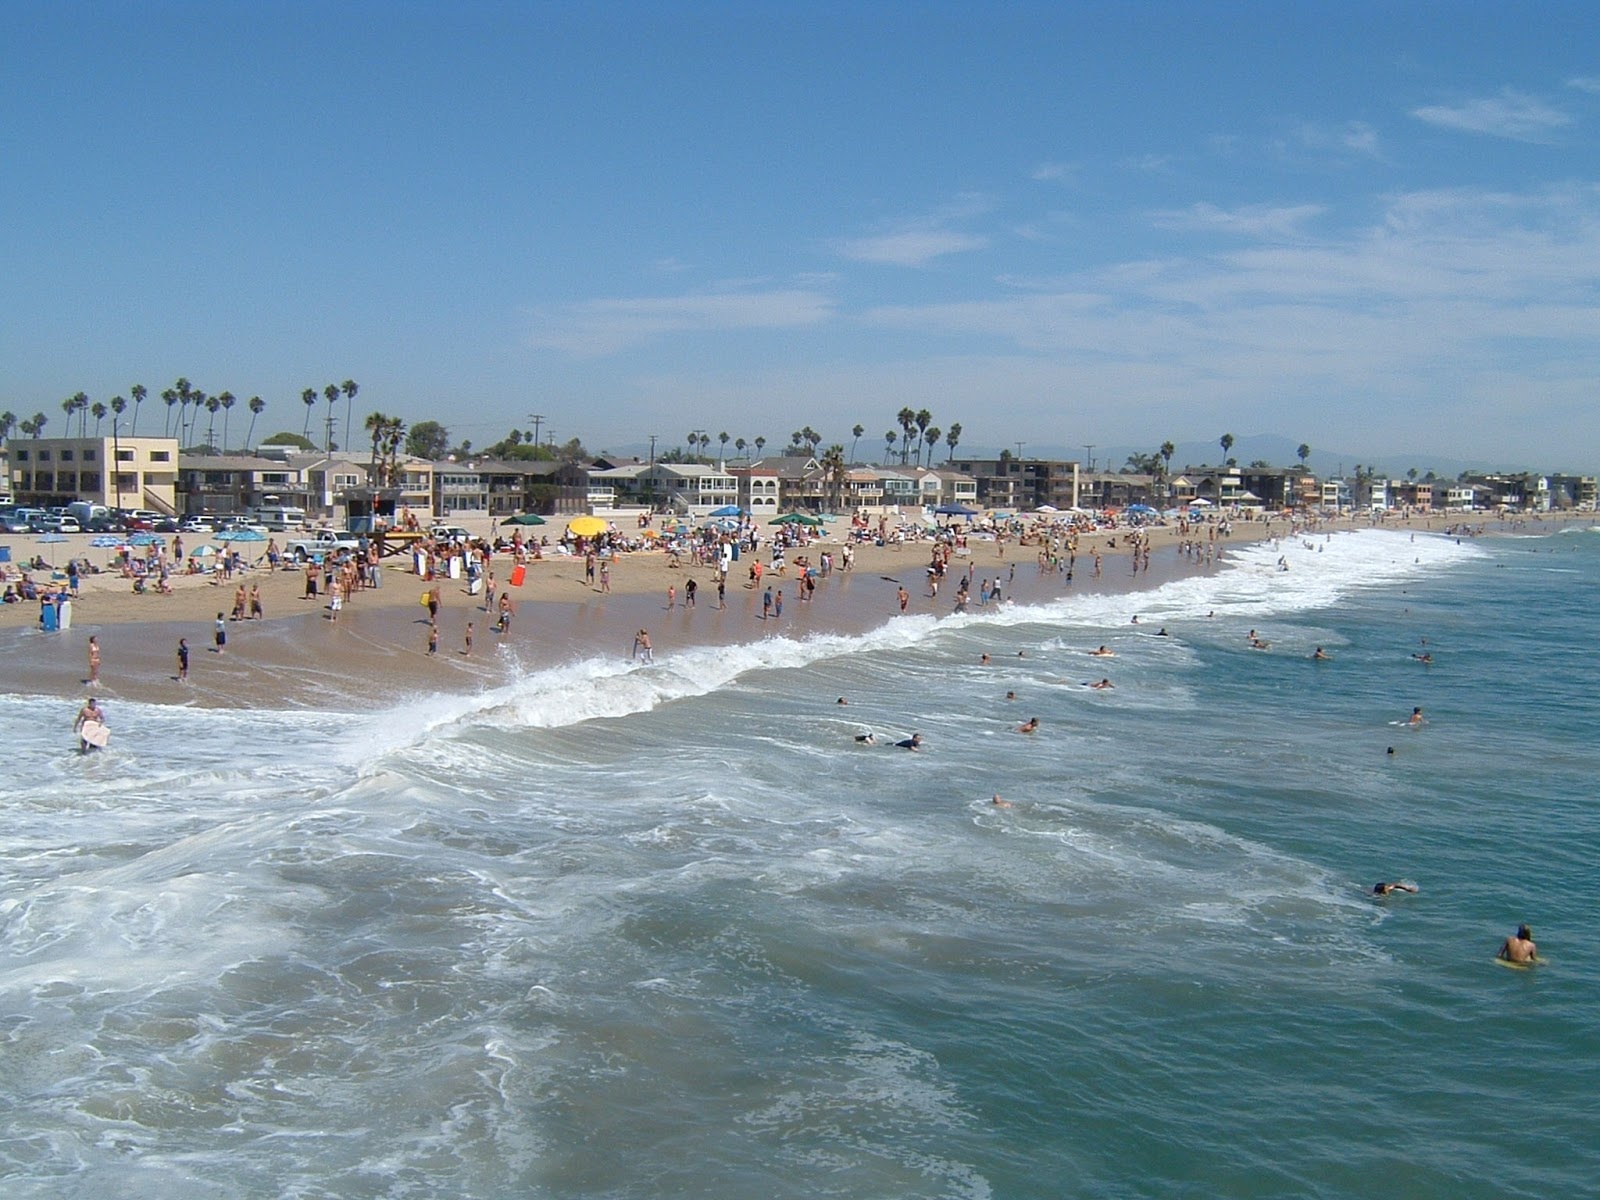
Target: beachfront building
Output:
[
  {"x": 1336, "y": 494},
  {"x": 542, "y": 486},
  {"x": 689, "y": 489},
  {"x": 1013, "y": 484},
  {"x": 221, "y": 485},
  {"x": 780, "y": 484},
  {"x": 939, "y": 486},
  {"x": 1568, "y": 492},
  {"x": 1117, "y": 490},
  {"x": 116, "y": 471}
]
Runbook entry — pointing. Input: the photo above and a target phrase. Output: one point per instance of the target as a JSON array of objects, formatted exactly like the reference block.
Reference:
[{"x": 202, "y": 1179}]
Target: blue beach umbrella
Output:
[
  {"x": 105, "y": 541},
  {"x": 241, "y": 535},
  {"x": 727, "y": 510},
  {"x": 143, "y": 539}
]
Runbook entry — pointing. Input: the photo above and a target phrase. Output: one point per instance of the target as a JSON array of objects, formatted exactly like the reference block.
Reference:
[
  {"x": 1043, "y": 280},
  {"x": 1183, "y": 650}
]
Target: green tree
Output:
[
  {"x": 760, "y": 442},
  {"x": 331, "y": 395},
  {"x": 227, "y": 400},
  {"x": 119, "y": 405},
  {"x": 889, "y": 439},
  {"x": 8, "y": 422},
  {"x": 723, "y": 438},
  {"x": 907, "y": 419},
  {"x": 1226, "y": 442},
  {"x": 739, "y": 445},
  {"x": 924, "y": 418},
  {"x": 833, "y": 466},
  {"x": 349, "y": 387},
  {"x": 99, "y": 410},
  {"x": 856, "y": 431},
  {"x": 138, "y": 392},
  {"x": 931, "y": 436},
  {"x": 1303, "y": 452},
  {"x": 213, "y": 403},
  {"x": 953, "y": 439},
  {"x": 428, "y": 439},
  {"x": 297, "y": 440},
  {"x": 170, "y": 398},
  {"x": 309, "y": 396},
  {"x": 257, "y": 406}
]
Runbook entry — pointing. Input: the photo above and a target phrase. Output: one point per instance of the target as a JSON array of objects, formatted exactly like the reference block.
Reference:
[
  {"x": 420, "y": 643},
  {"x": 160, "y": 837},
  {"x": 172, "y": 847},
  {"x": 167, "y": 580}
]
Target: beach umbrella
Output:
[
  {"x": 202, "y": 551},
  {"x": 586, "y": 526},
  {"x": 525, "y": 519},
  {"x": 795, "y": 518},
  {"x": 955, "y": 510},
  {"x": 143, "y": 539},
  {"x": 727, "y": 510},
  {"x": 241, "y": 535},
  {"x": 50, "y": 539},
  {"x": 105, "y": 541}
]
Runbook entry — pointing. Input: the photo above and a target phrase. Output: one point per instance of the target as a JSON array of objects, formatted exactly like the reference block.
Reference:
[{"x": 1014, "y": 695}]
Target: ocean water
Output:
[{"x": 620, "y": 931}]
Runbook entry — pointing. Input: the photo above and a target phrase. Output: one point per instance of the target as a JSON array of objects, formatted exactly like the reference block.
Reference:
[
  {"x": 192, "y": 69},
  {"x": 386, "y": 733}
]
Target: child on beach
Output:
[
  {"x": 220, "y": 636},
  {"x": 468, "y": 650},
  {"x": 433, "y": 638},
  {"x": 183, "y": 660}
]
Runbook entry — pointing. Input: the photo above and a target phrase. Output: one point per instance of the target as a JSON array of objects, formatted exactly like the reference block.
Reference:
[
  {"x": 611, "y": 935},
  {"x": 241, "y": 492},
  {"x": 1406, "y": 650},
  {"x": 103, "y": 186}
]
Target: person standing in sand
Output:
[
  {"x": 255, "y": 602},
  {"x": 183, "y": 660},
  {"x": 903, "y": 596},
  {"x": 433, "y": 637},
  {"x": 467, "y": 650},
  {"x": 641, "y": 647},
  {"x": 219, "y": 635},
  {"x": 94, "y": 661}
]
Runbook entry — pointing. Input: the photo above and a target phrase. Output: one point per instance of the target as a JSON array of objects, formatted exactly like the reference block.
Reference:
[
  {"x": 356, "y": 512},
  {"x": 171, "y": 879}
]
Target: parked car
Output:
[
  {"x": 60, "y": 523},
  {"x": 196, "y": 525}
]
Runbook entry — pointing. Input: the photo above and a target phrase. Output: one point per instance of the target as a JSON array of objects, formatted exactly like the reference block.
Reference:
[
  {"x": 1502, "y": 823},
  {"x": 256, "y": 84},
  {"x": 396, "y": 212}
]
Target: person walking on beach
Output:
[
  {"x": 433, "y": 637},
  {"x": 94, "y": 661},
  {"x": 904, "y": 597},
  {"x": 220, "y": 635},
  {"x": 766, "y": 604},
  {"x": 467, "y": 650},
  {"x": 605, "y": 576},
  {"x": 689, "y": 590},
  {"x": 722, "y": 591},
  {"x": 641, "y": 647},
  {"x": 507, "y": 611},
  {"x": 183, "y": 660},
  {"x": 255, "y": 602},
  {"x": 777, "y": 605},
  {"x": 435, "y": 595},
  {"x": 672, "y": 596},
  {"x": 1519, "y": 948}
]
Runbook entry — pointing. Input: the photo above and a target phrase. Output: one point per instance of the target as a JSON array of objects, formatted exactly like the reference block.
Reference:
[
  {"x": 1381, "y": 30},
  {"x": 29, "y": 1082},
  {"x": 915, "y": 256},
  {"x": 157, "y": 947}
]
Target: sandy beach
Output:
[{"x": 297, "y": 657}]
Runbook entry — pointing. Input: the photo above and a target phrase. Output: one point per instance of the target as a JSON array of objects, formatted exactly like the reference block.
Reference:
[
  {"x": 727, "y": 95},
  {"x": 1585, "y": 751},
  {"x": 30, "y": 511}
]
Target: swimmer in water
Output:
[
  {"x": 1102, "y": 686},
  {"x": 914, "y": 742},
  {"x": 1519, "y": 948},
  {"x": 1416, "y": 717},
  {"x": 1425, "y": 659},
  {"x": 1102, "y": 653},
  {"x": 866, "y": 739},
  {"x": 1011, "y": 695},
  {"x": 1320, "y": 654},
  {"x": 841, "y": 700},
  {"x": 1029, "y": 726},
  {"x": 1383, "y": 889},
  {"x": 999, "y": 803}
]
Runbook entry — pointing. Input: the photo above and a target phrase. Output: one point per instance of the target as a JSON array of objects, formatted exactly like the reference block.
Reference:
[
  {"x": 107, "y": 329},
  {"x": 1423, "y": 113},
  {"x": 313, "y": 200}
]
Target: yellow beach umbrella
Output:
[{"x": 586, "y": 526}]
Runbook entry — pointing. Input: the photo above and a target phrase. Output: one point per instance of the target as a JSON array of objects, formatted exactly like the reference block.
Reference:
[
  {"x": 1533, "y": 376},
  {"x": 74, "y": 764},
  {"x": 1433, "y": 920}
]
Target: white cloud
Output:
[
  {"x": 1585, "y": 83},
  {"x": 1255, "y": 220},
  {"x": 1055, "y": 172},
  {"x": 597, "y": 327},
  {"x": 1511, "y": 114},
  {"x": 910, "y": 248}
]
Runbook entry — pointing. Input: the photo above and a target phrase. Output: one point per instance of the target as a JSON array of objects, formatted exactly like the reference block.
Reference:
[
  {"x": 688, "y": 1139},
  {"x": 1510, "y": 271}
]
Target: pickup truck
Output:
[{"x": 319, "y": 544}]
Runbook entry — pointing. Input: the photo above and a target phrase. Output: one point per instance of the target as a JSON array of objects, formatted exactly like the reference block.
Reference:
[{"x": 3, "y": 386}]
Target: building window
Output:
[
  {"x": 89, "y": 456},
  {"x": 155, "y": 456},
  {"x": 44, "y": 456},
  {"x": 22, "y": 455},
  {"x": 66, "y": 455},
  {"x": 124, "y": 456},
  {"x": 89, "y": 481}
]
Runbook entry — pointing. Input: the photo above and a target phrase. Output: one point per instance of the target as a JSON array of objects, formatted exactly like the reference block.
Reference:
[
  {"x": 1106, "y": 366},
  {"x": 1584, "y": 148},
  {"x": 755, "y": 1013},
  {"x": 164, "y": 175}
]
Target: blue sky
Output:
[{"x": 1370, "y": 226}]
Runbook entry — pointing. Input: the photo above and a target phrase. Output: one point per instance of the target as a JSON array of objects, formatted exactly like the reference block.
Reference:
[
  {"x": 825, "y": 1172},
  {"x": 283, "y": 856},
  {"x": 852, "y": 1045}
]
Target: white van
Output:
[
  {"x": 279, "y": 518},
  {"x": 85, "y": 511}
]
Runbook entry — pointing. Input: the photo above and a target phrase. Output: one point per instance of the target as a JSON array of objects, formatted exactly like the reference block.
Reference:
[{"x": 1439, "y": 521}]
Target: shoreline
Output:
[{"x": 297, "y": 658}]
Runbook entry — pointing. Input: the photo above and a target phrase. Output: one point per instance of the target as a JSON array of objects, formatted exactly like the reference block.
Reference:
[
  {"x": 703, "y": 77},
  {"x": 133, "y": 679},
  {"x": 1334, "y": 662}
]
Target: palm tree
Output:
[
  {"x": 1167, "y": 451},
  {"x": 833, "y": 466},
  {"x": 185, "y": 394},
  {"x": 227, "y": 400},
  {"x": 170, "y": 399},
  {"x": 349, "y": 387},
  {"x": 705, "y": 442},
  {"x": 739, "y": 444},
  {"x": 8, "y": 422},
  {"x": 759, "y": 442},
  {"x": 137, "y": 391},
  {"x": 99, "y": 410},
  {"x": 924, "y": 419},
  {"x": 256, "y": 405},
  {"x": 908, "y": 421},
  {"x": 119, "y": 405},
  {"x": 197, "y": 401},
  {"x": 310, "y": 398},
  {"x": 931, "y": 435},
  {"x": 723, "y": 438},
  {"x": 69, "y": 406},
  {"x": 855, "y": 437},
  {"x": 1303, "y": 453},
  {"x": 39, "y": 422},
  {"x": 888, "y": 449},
  {"x": 212, "y": 404},
  {"x": 1226, "y": 442},
  {"x": 331, "y": 393},
  {"x": 952, "y": 439}
]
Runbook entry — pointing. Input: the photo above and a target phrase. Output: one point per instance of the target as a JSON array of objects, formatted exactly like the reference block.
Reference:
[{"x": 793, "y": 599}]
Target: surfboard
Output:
[{"x": 95, "y": 734}]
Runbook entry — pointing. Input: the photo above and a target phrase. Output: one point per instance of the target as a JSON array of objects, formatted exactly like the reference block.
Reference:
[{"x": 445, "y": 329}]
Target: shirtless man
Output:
[
  {"x": 1416, "y": 717},
  {"x": 1320, "y": 654},
  {"x": 1383, "y": 889},
  {"x": 1103, "y": 686},
  {"x": 1102, "y": 653},
  {"x": 1031, "y": 725},
  {"x": 91, "y": 712},
  {"x": 1519, "y": 948}
]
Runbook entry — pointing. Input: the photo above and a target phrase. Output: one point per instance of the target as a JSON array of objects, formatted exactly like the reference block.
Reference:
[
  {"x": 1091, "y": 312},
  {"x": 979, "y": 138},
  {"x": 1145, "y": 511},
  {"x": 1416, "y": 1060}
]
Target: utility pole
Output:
[
  {"x": 1019, "y": 446},
  {"x": 1088, "y": 449},
  {"x": 537, "y": 419},
  {"x": 650, "y": 479},
  {"x": 328, "y": 440},
  {"x": 116, "y": 459}
]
